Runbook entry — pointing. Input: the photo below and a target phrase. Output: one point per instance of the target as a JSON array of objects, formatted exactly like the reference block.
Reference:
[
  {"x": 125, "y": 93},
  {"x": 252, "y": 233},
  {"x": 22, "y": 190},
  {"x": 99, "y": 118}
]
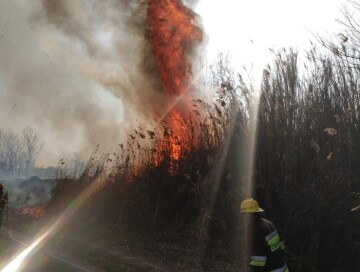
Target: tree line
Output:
[{"x": 18, "y": 152}]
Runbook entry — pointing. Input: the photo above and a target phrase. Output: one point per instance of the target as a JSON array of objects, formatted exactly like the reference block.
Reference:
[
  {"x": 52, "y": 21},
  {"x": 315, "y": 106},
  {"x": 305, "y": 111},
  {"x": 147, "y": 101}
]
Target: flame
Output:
[
  {"x": 33, "y": 211},
  {"x": 178, "y": 140},
  {"x": 172, "y": 33}
]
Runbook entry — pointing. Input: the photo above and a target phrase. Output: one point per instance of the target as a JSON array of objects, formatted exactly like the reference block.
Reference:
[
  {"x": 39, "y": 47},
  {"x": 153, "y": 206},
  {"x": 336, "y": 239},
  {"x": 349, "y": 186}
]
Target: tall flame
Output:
[{"x": 172, "y": 32}]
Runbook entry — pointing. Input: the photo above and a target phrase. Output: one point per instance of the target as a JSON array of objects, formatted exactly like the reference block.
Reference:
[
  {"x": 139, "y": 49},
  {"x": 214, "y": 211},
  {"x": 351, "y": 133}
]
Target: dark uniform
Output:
[
  {"x": 3, "y": 202},
  {"x": 267, "y": 252}
]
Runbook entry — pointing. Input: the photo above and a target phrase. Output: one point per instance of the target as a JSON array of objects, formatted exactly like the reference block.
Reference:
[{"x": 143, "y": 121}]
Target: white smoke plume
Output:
[
  {"x": 104, "y": 41},
  {"x": 78, "y": 72}
]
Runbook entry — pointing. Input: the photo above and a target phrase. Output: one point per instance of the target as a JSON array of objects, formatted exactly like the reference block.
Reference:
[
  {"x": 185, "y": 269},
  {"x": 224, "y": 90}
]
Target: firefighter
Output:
[
  {"x": 3, "y": 202},
  {"x": 265, "y": 247}
]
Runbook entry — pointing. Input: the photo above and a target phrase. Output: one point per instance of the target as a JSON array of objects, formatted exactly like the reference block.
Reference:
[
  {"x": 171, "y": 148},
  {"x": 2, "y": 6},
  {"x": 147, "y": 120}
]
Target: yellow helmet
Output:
[{"x": 250, "y": 205}]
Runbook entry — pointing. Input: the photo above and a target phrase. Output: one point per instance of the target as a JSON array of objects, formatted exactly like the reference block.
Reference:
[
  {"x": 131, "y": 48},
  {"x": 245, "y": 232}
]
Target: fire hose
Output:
[
  {"x": 50, "y": 255},
  {"x": 59, "y": 259}
]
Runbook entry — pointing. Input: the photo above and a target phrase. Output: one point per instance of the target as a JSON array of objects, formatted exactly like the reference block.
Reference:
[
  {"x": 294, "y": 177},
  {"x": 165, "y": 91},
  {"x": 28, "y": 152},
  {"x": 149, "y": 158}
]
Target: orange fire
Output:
[
  {"x": 172, "y": 33},
  {"x": 36, "y": 211},
  {"x": 177, "y": 141}
]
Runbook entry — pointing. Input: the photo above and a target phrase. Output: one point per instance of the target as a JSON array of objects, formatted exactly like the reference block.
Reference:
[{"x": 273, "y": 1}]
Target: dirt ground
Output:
[{"x": 110, "y": 248}]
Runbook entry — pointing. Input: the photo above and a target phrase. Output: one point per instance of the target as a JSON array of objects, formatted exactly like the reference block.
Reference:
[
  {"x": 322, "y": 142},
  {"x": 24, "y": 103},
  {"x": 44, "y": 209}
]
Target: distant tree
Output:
[
  {"x": 18, "y": 152},
  {"x": 12, "y": 149},
  {"x": 31, "y": 147}
]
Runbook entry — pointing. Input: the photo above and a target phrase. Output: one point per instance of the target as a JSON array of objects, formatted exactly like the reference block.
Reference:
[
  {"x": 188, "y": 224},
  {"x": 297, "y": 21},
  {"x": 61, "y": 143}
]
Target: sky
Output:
[
  {"x": 76, "y": 71},
  {"x": 248, "y": 29}
]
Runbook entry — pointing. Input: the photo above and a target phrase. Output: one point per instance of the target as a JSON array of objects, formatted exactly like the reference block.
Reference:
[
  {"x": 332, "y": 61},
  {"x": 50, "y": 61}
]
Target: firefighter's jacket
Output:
[
  {"x": 267, "y": 254},
  {"x": 3, "y": 200}
]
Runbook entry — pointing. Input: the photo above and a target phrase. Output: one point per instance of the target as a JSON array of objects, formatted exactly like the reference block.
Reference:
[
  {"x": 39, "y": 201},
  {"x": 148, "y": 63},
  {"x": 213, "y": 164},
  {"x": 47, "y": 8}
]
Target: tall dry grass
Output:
[
  {"x": 308, "y": 157},
  {"x": 307, "y": 171}
]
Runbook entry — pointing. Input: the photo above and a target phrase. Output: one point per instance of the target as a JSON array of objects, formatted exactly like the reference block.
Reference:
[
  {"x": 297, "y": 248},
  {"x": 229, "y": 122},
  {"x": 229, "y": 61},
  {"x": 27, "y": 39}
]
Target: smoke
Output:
[
  {"x": 104, "y": 41},
  {"x": 78, "y": 72},
  {"x": 191, "y": 3},
  {"x": 22, "y": 193}
]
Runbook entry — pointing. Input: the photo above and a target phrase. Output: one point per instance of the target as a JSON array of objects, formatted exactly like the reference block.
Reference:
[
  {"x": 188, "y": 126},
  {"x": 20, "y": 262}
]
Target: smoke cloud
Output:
[
  {"x": 78, "y": 72},
  {"x": 191, "y": 3}
]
